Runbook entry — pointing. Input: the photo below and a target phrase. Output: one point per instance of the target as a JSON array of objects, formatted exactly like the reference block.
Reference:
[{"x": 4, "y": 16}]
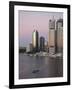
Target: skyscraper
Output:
[
  {"x": 52, "y": 24},
  {"x": 35, "y": 40},
  {"x": 46, "y": 46},
  {"x": 52, "y": 38},
  {"x": 59, "y": 28},
  {"x": 42, "y": 43}
]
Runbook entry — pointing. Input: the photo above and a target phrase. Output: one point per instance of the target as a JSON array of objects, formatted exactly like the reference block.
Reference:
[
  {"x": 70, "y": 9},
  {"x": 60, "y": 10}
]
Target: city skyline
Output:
[{"x": 28, "y": 21}]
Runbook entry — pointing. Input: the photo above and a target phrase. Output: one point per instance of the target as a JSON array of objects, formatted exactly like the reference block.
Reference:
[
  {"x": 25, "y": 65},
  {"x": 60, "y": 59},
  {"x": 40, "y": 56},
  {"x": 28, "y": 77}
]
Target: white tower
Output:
[{"x": 52, "y": 36}]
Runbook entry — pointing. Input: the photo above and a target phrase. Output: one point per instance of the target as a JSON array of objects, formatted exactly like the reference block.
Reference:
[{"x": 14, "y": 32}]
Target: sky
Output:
[{"x": 30, "y": 20}]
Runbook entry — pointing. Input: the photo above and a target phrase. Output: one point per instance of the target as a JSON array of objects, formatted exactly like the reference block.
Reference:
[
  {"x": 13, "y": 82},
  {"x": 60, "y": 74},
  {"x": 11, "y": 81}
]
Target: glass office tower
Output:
[
  {"x": 35, "y": 40},
  {"x": 42, "y": 43}
]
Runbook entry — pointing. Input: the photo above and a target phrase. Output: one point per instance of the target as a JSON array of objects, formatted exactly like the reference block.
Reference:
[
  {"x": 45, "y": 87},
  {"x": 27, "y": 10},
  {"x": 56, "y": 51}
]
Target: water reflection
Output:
[{"x": 39, "y": 67}]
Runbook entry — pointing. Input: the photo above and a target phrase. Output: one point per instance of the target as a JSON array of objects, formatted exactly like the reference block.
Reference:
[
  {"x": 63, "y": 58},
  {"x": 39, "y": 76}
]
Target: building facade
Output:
[
  {"x": 46, "y": 47},
  {"x": 59, "y": 28},
  {"x": 52, "y": 36},
  {"x": 29, "y": 48},
  {"x": 42, "y": 43},
  {"x": 35, "y": 40}
]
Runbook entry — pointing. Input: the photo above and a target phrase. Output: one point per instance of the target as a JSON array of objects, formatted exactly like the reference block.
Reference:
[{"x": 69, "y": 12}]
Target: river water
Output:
[{"x": 39, "y": 67}]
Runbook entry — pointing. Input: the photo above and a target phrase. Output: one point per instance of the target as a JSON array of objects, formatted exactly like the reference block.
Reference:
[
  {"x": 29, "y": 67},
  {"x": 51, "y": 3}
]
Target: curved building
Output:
[{"x": 35, "y": 40}]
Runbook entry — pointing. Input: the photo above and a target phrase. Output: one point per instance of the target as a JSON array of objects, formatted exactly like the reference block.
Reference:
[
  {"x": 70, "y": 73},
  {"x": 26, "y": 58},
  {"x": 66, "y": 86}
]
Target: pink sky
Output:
[{"x": 29, "y": 20}]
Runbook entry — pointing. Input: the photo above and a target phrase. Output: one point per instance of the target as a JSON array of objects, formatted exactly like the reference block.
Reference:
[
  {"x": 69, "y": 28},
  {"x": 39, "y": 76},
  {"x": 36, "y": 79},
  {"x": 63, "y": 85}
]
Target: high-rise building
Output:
[
  {"x": 42, "y": 43},
  {"x": 46, "y": 46},
  {"x": 35, "y": 40},
  {"x": 52, "y": 33},
  {"x": 51, "y": 24},
  {"x": 59, "y": 28}
]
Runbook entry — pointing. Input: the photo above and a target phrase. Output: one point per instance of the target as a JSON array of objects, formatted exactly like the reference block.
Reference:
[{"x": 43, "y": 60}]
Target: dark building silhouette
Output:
[
  {"x": 42, "y": 43},
  {"x": 35, "y": 40}
]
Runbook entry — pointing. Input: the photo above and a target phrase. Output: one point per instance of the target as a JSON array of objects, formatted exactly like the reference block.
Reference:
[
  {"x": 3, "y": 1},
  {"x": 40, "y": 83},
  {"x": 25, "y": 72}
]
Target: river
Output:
[{"x": 39, "y": 67}]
